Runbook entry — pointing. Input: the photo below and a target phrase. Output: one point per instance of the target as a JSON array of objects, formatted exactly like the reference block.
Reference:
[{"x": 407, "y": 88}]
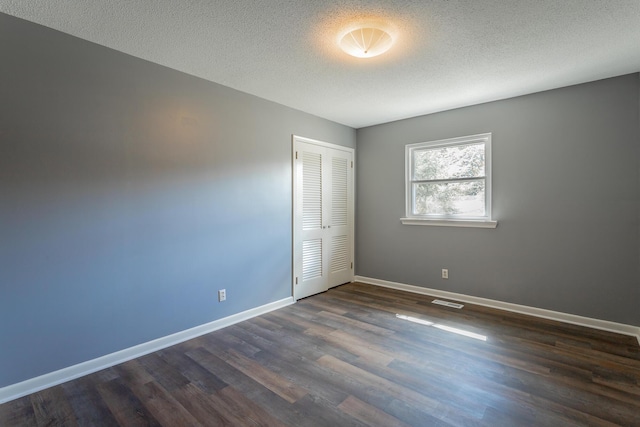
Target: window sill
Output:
[{"x": 449, "y": 222}]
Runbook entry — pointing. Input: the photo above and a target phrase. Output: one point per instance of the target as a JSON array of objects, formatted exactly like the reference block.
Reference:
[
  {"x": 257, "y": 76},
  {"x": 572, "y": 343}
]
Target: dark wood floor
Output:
[{"x": 343, "y": 358}]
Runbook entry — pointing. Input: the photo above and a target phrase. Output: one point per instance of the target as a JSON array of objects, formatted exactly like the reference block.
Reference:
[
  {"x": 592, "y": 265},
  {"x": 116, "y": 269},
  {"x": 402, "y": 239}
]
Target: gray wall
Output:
[
  {"x": 565, "y": 192},
  {"x": 129, "y": 194}
]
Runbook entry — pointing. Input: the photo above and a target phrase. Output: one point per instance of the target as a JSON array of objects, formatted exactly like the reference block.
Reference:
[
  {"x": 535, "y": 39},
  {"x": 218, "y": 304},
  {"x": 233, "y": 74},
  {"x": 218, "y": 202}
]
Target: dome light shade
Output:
[{"x": 366, "y": 42}]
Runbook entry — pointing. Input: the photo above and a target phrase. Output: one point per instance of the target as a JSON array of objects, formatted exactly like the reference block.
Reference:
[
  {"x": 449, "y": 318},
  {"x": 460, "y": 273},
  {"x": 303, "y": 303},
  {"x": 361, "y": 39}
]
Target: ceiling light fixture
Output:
[{"x": 366, "y": 42}]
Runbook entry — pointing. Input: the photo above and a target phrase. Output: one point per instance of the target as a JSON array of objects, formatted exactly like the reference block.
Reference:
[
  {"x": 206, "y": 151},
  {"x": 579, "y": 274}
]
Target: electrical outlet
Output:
[
  {"x": 222, "y": 295},
  {"x": 445, "y": 273}
]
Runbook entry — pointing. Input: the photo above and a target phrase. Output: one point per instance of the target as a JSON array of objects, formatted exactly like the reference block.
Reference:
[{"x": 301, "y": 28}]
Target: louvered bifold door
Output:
[
  {"x": 323, "y": 217},
  {"x": 339, "y": 208},
  {"x": 310, "y": 247}
]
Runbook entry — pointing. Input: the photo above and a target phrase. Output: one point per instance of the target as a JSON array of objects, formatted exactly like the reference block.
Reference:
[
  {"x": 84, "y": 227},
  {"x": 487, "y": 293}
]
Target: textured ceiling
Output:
[{"x": 449, "y": 53}]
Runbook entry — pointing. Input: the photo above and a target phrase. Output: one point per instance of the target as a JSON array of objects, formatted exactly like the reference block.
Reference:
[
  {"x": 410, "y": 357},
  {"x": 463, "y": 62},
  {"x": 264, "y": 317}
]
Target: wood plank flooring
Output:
[{"x": 344, "y": 358}]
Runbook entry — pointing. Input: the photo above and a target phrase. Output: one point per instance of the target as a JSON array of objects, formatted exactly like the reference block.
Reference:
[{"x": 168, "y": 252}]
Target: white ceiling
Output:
[{"x": 449, "y": 53}]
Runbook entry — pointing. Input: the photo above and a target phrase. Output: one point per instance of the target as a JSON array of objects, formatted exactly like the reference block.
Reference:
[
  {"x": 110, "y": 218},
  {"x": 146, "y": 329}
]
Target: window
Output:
[{"x": 449, "y": 182}]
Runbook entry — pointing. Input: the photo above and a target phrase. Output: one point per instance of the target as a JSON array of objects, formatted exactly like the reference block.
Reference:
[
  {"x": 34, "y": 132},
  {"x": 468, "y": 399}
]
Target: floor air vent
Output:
[{"x": 447, "y": 303}]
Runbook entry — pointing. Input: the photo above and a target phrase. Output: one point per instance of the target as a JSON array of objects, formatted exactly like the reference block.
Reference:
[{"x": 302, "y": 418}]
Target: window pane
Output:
[
  {"x": 464, "y": 198},
  {"x": 458, "y": 161}
]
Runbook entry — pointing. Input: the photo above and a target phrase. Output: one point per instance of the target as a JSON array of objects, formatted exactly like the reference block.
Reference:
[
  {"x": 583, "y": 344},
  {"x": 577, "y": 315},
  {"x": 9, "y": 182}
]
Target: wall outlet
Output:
[
  {"x": 222, "y": 295},
  {"x": 445, "y": 273}
]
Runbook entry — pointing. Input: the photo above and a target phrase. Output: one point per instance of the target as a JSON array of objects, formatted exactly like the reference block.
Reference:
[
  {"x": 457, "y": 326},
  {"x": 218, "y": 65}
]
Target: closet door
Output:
[
  {"x": 339, "y": 232},
  {"x": 323, "y": 216},
  {"x": 310, "y": 243}
]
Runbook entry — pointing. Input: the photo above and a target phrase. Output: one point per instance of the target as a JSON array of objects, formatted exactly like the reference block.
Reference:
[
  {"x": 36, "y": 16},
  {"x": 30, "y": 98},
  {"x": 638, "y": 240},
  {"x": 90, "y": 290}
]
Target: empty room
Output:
[{"x": 319, "y": 213}]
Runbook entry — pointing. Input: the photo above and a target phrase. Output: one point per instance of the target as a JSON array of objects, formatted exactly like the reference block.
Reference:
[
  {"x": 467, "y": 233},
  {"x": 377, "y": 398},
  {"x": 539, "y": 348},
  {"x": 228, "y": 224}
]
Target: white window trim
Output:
[
  {"x": 472, "y": 223},
  {"x": 444, "y": 221}
]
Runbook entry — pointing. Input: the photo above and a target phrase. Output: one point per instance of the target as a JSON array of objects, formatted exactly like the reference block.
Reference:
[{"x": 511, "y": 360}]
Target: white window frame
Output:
[{"x": 410, "y": 218}]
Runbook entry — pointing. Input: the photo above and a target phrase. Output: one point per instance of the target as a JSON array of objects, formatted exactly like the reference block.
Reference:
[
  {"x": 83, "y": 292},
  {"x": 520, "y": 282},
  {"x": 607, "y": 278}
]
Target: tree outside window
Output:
[{"x": 449, "y": 178}]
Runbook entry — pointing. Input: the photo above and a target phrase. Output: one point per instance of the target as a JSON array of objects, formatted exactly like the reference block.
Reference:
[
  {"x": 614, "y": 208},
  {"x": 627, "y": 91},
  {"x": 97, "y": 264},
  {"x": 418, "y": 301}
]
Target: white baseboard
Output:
[
  {"x": 51, "y": 379},
  {"x": 603, "y": 325}
]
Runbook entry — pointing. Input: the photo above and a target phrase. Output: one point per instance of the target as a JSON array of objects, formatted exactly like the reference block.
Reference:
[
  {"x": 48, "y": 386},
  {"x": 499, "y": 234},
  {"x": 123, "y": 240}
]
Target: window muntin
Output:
[{"x": 450, "y": 179}]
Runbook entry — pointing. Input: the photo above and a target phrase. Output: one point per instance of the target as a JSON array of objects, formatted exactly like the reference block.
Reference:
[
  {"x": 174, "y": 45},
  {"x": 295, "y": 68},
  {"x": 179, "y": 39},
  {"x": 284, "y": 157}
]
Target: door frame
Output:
[{"x": 294, "y": 200}]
